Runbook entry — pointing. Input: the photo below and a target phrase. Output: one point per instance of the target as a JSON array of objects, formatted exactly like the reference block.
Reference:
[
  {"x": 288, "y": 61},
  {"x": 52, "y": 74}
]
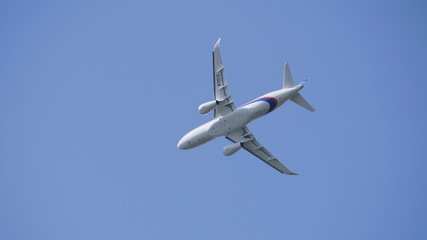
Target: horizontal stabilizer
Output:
[{"x": 298, "y": 99}]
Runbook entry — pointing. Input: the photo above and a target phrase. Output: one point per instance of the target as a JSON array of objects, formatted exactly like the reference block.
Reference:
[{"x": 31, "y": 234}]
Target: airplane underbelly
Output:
[
  {"x": 230, "y": 123},
  {"x": 257, "y": 109},
  {"x": 196, "y": 137}
]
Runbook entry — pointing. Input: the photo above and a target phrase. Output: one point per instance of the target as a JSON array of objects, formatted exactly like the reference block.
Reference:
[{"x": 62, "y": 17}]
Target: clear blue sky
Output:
[{"x": 94, "y": 96}]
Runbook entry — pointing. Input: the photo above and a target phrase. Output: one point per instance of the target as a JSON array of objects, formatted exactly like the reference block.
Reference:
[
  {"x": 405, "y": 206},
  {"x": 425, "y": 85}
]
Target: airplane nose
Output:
[
  {"x": 183, "y": 144},
  {"x": 179, "y": 145}
]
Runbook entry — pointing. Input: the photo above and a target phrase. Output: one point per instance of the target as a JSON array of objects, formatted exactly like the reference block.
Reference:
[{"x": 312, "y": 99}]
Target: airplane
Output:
[{"x": 230, "y": 121}]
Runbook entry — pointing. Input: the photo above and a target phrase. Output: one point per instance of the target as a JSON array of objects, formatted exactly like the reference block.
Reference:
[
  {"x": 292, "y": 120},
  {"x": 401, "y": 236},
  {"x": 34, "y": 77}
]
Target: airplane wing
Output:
[
  {"x": 226, "y": 104},
  {"x": 254, "y": 147}
]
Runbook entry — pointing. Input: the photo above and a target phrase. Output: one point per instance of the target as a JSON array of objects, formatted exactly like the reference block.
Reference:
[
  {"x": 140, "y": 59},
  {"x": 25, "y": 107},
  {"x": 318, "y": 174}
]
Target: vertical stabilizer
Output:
[{"x": 288, "y": 82}]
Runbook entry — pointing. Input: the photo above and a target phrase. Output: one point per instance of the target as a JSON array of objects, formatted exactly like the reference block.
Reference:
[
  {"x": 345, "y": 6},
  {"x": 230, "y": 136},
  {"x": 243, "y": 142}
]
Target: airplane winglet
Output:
[
  {"x": 285, "y": 170},
  {"x": 217, "y": 43}
]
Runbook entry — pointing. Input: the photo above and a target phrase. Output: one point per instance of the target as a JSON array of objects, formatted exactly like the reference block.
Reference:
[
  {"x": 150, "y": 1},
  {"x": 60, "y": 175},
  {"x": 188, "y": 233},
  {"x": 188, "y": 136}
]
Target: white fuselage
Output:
[{"x": 238, "y": 118}]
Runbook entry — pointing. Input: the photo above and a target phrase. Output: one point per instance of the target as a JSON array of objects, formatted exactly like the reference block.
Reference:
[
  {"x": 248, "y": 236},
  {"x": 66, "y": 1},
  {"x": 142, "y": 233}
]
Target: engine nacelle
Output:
[
  {"x": 207, "y": 107},
  {"x": 231, "y": 149}
]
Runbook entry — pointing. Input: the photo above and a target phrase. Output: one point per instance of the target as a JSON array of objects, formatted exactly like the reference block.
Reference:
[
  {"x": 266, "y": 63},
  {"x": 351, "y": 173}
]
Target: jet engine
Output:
[
  {"x": 231, "y": 149},
  {"x": 207, "y": 106}
]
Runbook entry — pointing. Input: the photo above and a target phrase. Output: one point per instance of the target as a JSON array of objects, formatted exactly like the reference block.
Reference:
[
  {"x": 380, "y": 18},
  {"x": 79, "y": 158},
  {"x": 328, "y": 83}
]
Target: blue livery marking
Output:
[{"x": 270, "y": 100}]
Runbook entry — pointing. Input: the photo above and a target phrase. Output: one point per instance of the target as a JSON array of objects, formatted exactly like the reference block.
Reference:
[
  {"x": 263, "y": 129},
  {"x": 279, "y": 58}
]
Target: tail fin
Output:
[
  {"x": 298, "y": 99},
  {"x": 288, "y": 82}
]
